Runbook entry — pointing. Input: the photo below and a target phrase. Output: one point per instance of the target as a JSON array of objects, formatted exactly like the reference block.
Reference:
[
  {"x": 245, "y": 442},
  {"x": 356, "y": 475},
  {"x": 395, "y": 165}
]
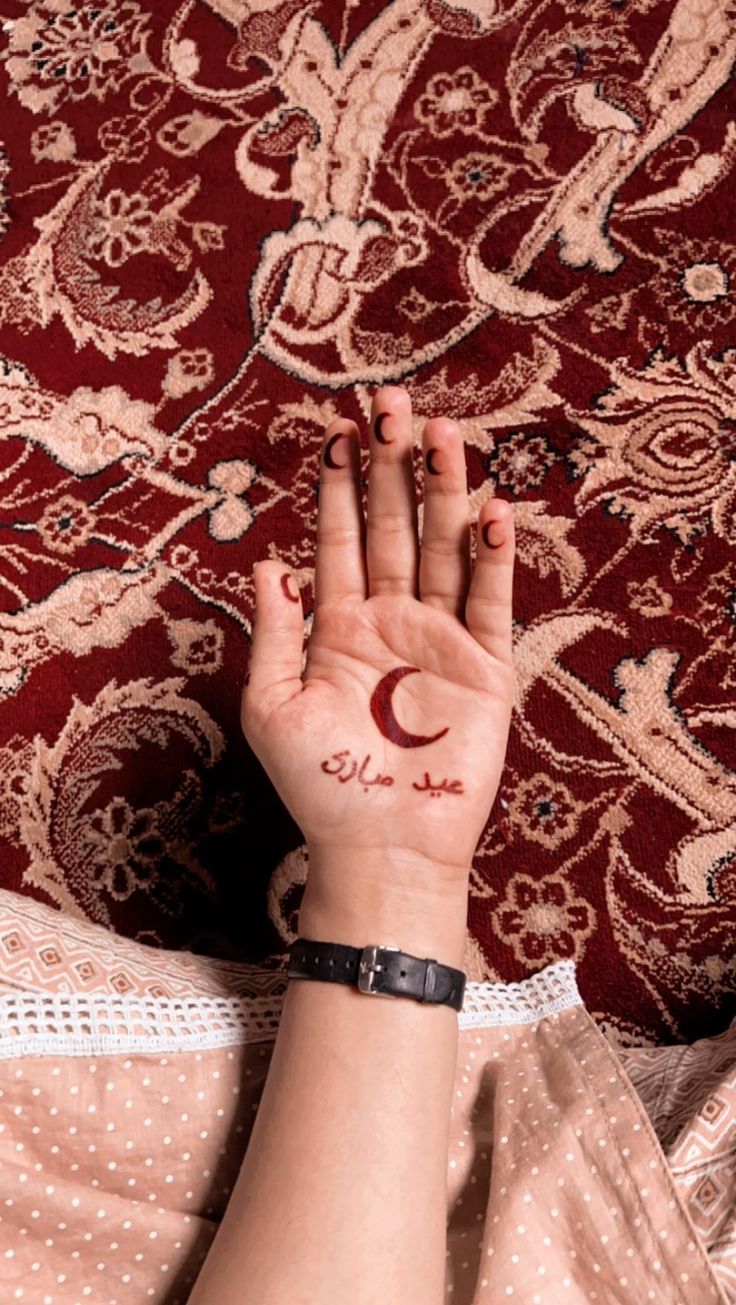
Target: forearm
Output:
[{"x": 342, "y": 1191}]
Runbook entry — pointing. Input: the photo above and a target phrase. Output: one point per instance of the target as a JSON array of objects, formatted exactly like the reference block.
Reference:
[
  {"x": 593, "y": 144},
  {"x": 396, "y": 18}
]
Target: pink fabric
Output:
[
  {"x": 130, "y": 1078},
  {"x": 689, "y": 1093}
]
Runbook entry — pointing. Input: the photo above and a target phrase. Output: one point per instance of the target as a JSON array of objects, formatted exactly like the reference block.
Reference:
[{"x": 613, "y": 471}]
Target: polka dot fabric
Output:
[
  {"x": 557, "y": 1187},
  {"x": 117, "y": 1170},
  {"x": 130, "y": 1078}
]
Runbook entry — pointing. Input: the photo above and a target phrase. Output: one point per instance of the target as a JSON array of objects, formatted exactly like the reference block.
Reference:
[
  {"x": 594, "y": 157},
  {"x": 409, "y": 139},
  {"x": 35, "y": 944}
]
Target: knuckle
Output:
[
  {"x": 445, "y": 490},
  {"x": 446, "y": 602},
  {"x": 387, "y": 520},
  {"x": 487, "y": 600},
  {"x": 445, "y": 546},
  {"x": 391, "y": 584},
  {"x": 336, "y": 534}
]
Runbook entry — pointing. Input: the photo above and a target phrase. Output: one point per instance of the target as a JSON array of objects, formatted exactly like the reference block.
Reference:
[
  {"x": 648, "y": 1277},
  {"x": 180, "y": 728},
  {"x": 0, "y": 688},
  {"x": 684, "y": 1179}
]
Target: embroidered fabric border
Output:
[
  {"x": 89, "y": 1024},
  {"x": 490, "y": 1005}
]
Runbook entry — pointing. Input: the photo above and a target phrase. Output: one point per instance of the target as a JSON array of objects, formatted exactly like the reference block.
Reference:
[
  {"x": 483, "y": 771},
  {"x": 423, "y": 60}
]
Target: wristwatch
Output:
[{"x": 379, "y": 970}]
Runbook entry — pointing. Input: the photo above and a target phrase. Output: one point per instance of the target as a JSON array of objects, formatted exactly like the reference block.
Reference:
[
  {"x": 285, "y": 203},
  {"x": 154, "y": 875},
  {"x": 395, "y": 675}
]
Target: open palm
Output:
[{"x": 395, "y": 735}]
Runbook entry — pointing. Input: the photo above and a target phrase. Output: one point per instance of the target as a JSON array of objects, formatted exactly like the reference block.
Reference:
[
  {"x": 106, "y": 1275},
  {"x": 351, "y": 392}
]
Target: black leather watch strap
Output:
[{"x": 378, "y": 970}]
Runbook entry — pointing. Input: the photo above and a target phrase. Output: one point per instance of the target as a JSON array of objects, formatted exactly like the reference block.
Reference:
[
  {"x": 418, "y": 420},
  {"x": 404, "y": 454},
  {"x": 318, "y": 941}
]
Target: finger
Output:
[
  {"x": 392, "y": 546},
  {"x": 277, "y": 638},
  {"x": 445, "y": 564},
  {"x": 340, "y": 570},
  {"x": 488, "y": 610}
]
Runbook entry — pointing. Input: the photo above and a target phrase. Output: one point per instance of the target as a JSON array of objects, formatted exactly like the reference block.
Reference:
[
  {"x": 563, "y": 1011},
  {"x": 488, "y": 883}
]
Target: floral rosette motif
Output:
[{"x": 667, "y": 435}]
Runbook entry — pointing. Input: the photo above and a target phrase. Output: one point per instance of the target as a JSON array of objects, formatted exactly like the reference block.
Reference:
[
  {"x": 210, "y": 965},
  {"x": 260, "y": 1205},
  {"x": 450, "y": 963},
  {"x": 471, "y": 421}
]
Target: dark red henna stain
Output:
[
  {"x": 383, "y": 715},
  {"x": 428, "y": 460},
  {"x": 328, "y": 458},
  {"x": 383, "y": 780},
  {"x": 486, "y": 540},
  {"x": 436, "y": 790},
  {"x": 285, "y": 586},
  {"x": 382, "y": 439}
]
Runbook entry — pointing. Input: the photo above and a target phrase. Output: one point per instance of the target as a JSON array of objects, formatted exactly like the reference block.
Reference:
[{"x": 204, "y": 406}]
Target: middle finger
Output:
[
  {"x": 392, "y": 545},
  {"x": 445, "y": 568}
]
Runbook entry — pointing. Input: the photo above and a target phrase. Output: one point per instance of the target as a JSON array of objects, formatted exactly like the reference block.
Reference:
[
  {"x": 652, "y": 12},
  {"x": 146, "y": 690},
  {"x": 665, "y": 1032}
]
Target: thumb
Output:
[{"x": 277, "y": 639}]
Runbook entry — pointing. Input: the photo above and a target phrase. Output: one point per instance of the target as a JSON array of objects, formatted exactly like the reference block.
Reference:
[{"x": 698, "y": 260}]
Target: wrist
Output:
[
  {"x": 400, "y": 872},
  {"x": 358, "y": 898}
]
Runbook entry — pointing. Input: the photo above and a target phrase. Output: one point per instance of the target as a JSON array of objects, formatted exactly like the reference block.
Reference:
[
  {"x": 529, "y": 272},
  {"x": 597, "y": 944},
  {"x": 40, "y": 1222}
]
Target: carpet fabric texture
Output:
[{"x": 224, "y": 224}]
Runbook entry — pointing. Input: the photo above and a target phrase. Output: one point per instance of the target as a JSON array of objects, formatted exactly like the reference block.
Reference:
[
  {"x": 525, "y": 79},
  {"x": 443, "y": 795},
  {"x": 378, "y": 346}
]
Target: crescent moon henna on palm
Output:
[{"x": 383, "y": 713}]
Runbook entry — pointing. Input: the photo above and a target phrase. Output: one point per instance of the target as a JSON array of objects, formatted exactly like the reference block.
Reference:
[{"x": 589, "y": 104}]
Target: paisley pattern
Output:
[{"x": 223, "y": 224}]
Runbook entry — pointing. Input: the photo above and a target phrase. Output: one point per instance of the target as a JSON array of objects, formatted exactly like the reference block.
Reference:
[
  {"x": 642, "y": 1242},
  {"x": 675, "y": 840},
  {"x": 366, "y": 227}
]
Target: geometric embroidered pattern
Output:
[
  {"x": 84, "y": 1024},
  {"x": 689, "y": 1093}
]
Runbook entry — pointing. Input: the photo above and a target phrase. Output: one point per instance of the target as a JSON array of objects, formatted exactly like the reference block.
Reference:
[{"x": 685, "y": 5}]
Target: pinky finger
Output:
[
  {"x": 277, "y": 638},
  {"x": 489, "y": 605}
]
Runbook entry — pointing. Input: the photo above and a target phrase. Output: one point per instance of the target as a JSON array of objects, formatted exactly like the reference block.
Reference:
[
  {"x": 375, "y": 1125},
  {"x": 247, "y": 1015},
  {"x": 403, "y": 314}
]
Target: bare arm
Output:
[
  {"x": 388, "y": 751},
  {"x": 342, "y": 1192}
]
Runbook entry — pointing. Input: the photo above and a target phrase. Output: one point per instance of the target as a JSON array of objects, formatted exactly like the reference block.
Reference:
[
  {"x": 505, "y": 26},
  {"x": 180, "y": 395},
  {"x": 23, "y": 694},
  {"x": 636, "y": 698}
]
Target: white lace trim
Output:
[
  {"x": 91, "y": 1024},
  {"x": 491, "y": 1005}
]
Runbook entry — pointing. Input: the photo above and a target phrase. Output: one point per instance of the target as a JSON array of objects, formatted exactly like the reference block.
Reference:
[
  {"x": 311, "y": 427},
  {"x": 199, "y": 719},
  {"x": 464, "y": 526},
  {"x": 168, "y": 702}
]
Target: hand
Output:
[{"x": 389, "y": 749}]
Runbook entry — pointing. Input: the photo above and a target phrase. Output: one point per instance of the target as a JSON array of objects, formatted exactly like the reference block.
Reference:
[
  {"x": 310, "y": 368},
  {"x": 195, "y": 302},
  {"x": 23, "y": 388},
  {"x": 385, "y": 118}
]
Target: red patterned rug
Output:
[{"x": 225, "y": 224}]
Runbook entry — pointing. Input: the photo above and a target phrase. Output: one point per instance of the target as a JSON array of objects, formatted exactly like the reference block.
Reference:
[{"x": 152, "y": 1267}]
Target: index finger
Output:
[
  {"x": 489, "y": 605},
  {"x": 340, "y": 568}
]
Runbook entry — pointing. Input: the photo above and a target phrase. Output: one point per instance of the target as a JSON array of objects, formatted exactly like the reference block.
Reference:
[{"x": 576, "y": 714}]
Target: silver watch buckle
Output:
[{"x": 369, "y": 966}]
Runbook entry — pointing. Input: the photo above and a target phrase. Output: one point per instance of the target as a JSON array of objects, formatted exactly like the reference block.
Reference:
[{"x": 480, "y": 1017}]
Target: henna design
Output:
[
  {"x": 383, "y": 715},
  {"x": 382, "y": 439},
  {"x": 436, "y": 790},
  {"x": 428, "y": 460},
  {"x": 328, "y": 458},
  {"x": 486, "y": 540},
  {"x": 380, "y": 779},
  {"x": 285, "y": 586}
]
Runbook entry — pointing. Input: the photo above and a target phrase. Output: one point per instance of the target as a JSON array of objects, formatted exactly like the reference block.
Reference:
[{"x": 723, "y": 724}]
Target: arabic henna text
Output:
[{"x": 351, "y": 768}]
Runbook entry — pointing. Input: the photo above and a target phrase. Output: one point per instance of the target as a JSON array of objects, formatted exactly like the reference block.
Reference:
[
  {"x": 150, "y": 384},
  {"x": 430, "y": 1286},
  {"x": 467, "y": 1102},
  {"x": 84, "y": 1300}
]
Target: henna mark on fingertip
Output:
[
  {"x": 329, "y": 461},
  {"x": 484, "y": 532},
  {"x": 433, "y": 471},
  {"x": 382, "y": 439},
  {"x": 286, "y": 577}
]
